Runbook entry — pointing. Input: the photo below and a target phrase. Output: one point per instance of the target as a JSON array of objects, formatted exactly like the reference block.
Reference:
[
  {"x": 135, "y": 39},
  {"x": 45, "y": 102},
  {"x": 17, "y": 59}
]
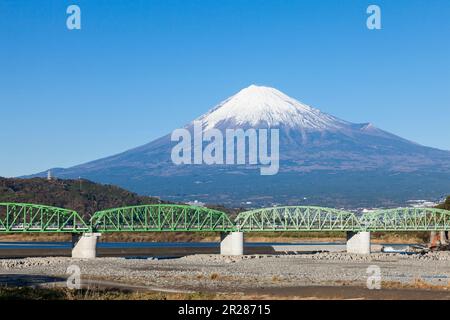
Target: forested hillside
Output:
[{"x": 83, "y": 196}]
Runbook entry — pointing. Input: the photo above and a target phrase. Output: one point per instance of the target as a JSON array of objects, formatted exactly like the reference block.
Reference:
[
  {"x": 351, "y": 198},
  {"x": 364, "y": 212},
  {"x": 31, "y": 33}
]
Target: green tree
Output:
[{"x": 445, "y": 205}]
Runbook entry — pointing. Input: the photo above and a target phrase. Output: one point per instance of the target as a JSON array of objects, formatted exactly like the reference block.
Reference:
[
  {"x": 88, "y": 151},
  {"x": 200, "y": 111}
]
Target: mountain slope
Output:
[
  {"x": 313, "y": 146},
  {"x": 82, "y": 196}
]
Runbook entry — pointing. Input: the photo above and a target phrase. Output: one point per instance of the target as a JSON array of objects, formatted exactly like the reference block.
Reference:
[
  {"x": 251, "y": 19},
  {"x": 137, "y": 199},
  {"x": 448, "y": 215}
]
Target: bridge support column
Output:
[
  {"x": 232, "y": 244},
  {"x": 84, "y": 246},
  {"x": 443, "y": 237},
  {"x": 434, "y": 240},
  {"x": 358, "y": 242},
  {"x": 438, "y": 238}
]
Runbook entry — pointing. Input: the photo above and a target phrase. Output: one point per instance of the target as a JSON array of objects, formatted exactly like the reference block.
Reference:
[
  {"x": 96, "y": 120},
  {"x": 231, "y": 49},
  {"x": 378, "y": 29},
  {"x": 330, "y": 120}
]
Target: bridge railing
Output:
[
  {"x": 161, "y": 217},
  {"x": 26, "y": 217}
]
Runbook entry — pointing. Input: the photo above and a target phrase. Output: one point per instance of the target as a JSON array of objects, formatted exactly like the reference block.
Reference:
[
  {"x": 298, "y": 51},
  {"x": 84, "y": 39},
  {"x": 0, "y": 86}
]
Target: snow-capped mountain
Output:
[
  {"x": 322, "y": 159},
  {"x": 257, "y": 106}
]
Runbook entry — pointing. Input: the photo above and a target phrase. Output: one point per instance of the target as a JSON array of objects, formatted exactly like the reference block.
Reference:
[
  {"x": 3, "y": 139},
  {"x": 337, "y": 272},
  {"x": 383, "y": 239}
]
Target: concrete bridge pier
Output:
[
  {"x": 84, "y": 246},
  {"x": 443, "y": 235},
  {"x": 232, "y": 243},
  {"x": 433, "y": 239},
  {"x": 358, "y": 242},
  {"x": 438, "y": 238}
]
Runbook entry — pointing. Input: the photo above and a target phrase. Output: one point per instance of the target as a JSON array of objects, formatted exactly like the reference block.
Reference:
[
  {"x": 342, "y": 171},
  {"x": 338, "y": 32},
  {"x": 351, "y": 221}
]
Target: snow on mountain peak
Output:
[{"x": 259, "y": 105}]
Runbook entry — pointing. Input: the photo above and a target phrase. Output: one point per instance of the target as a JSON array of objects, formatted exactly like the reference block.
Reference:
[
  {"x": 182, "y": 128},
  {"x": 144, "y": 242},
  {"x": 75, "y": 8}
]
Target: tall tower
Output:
[{"x": 49, "y": 175}]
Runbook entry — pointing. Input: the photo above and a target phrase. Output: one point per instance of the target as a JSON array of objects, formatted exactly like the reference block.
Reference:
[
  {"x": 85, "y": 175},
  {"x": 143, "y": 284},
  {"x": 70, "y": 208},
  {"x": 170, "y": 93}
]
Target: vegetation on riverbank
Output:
[
  {"x": 418, "y": 288},
  {"x": 445, "y": 205},
  {"x": 29, "y": 293},
  {"x": 377, "y": 237}
]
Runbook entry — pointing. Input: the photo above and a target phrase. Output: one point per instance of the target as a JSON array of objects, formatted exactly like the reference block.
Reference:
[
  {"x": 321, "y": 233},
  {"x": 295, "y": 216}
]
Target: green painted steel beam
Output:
[
  {"x": 29, "y": 218},
  {"x": 406, "y": 219},
  {"x": 297, "y": 218},
  {"x": 161, "y": 218},
  {"x": 304, "y": 218}
]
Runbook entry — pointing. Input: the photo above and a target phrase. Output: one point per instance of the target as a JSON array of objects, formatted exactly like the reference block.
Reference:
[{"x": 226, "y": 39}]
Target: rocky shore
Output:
[{"x": 250, "y": 273}]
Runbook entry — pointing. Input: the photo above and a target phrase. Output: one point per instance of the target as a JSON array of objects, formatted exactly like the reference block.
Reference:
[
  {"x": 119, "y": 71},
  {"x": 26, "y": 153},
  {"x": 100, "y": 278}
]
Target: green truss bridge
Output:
[
  {"x": 25, "y": 217},
  {"x": 29, "y": 218}
]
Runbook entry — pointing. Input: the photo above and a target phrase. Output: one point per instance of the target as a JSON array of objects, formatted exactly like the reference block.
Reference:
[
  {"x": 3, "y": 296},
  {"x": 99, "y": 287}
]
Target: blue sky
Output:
[{"x": 139, "y": 69}]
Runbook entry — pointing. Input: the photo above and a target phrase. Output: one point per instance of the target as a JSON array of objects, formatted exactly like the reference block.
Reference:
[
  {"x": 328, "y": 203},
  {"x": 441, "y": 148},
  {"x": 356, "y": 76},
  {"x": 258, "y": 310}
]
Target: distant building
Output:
[
  {"x": 421, "y": 203},
  {"x": 196, "y": 203}
]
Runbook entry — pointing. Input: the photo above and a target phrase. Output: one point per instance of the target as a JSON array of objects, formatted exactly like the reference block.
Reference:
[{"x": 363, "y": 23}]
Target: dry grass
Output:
[
  {"x": 418, "y": 283},
  {"x": 276, "y": 279},
  {"x": 401, "y": 237},
  {"x": 214, "y": 276},
  {"x": 38, "y": 237},
  {"x": 119, "y": 237},
  {"x": 27, "y": 293},
  {"x": 377, "y": 237}
]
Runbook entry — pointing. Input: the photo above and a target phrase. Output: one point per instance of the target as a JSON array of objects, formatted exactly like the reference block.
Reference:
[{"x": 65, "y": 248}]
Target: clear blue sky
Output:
[{"x": 139, "y": 69}]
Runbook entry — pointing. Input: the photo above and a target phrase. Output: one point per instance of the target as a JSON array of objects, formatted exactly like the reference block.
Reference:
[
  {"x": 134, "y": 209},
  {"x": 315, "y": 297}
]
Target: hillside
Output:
[
  {"x": 84, "y": 196},
  {"x": 445, "y": 205}
]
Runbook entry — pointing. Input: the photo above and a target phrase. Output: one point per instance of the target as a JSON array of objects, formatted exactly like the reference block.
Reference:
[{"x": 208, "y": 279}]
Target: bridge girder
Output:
[
  {"x": 406, "y": 219},
  {"x": 160, "y": 218},
  {"x": 26, "y": 217},
  {"x": 297, "y": 218}
]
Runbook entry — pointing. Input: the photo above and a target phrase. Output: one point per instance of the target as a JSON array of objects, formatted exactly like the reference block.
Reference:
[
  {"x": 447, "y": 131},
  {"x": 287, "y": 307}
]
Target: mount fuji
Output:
[{"x": 323, "y": 161}]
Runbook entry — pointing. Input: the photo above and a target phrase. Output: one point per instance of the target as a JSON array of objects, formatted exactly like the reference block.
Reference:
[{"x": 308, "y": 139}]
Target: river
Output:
[{"x": 165, "y": 249}]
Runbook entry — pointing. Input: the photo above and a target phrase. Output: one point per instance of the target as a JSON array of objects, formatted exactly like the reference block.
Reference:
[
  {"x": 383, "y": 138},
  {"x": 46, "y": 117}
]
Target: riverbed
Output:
[{"x": 323, "y": 275}]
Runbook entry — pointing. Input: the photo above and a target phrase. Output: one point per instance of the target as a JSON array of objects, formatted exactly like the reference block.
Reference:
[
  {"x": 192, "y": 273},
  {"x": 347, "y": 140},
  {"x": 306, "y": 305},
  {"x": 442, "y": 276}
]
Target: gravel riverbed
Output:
[{"x": 215, "y": 273}]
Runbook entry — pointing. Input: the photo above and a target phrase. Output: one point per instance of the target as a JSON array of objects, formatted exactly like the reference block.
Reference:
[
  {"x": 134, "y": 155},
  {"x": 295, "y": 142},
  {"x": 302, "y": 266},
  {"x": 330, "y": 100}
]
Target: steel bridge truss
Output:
[
  {"x": 406, "y": 219},
  {"x": 297, "y": 219},
  {"x": 161, "y": 217},
  {"x": 25, "y": 217}
]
